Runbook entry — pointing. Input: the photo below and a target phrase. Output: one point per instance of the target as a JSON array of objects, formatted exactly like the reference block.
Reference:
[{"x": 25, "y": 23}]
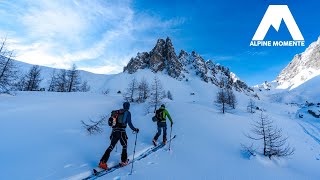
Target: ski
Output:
[{"x": 98, "y": 172}]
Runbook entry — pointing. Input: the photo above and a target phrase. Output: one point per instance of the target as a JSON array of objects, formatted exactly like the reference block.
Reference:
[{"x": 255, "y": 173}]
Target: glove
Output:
[{"x": 136, "y": 130}]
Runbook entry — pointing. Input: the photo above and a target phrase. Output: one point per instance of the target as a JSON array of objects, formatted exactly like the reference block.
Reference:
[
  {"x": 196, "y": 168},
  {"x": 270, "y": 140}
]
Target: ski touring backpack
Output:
[
  {"x": 116, "y": 118},
  {"x": 159, "y": 115}
]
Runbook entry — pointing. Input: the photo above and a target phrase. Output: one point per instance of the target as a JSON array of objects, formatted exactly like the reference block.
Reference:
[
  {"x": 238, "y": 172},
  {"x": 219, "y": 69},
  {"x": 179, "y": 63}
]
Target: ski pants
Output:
[
  {"x": 161, "y": 126},
  {"x": 117, "y": 134}
]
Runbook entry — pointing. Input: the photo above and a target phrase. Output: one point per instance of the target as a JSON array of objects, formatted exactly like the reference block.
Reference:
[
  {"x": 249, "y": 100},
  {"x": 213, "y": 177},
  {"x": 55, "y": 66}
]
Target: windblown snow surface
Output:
[{"x": 42, "y": 136}]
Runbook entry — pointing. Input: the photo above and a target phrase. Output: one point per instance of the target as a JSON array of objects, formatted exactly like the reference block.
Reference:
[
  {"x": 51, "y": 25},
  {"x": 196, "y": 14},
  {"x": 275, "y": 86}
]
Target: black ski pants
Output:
[
  {"x": 117, "y": 134},
  {"x": 161, "y": 126}
]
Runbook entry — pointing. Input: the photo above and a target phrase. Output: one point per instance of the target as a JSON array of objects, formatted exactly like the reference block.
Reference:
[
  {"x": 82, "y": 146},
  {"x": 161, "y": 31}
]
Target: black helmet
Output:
[
  {"x": 162, "y": 105},
  {"x": 126, "y": 105}
]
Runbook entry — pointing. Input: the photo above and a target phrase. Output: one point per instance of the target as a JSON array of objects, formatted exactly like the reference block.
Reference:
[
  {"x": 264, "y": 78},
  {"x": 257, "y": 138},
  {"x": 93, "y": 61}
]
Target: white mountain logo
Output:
[{"x": 273, "y": 17}]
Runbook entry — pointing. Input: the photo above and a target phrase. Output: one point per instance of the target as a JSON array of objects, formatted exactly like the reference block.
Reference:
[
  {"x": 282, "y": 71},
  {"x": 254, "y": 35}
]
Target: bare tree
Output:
[
  {"x": 8, "y": 71},
  {"x": 95, "y": 127},
  {"x": 222, "y": 96},
  {"x": 131, "y": 91},
  {"x": 169, "y": 95},
  {"x": 73, "y": 78},
  {"x": 231, "y": 98},
  {"x": 61, "y": 85},
  {"x": 21, "y": 84},
  {"x": 33, "y": 79},
  {"x": 251, "y": 106},
  {"x": 143, "y": 91},
  {"x": 53, "y": 82},
  {"x": 84, "y": 87},
  {"x": 274, "y": 144},
  {"x": 156, "y": 93},
  {"x": 222, "y": 99},
  {"x": 106, "y": 91}
]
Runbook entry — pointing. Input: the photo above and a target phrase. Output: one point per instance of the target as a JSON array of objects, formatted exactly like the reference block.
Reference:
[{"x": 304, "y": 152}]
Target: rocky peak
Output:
[
  {"x": 184, "y": 57},
  {"x": 210, "y": 65},
  {"x": 183, "y": 53},
  {"x": 162, "y": 58},
  {"x": 303, "y": 67}
]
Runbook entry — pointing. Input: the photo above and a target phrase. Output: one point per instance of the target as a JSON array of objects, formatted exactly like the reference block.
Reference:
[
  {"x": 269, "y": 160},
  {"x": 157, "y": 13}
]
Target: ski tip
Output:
[
  {"x": 174, "y": 136},
  {"x": 95, "y": 172}
]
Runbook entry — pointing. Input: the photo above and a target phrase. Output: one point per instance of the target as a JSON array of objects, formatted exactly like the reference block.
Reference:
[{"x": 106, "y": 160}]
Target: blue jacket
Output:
[{"x": 127, "y": 119}]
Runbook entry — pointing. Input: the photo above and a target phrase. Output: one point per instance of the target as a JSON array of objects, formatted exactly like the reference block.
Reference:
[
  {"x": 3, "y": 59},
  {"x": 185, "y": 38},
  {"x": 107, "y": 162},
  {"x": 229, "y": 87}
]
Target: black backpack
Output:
[
  {"x": 116, "y": 118},
  {"x": 159, "y": 115}
]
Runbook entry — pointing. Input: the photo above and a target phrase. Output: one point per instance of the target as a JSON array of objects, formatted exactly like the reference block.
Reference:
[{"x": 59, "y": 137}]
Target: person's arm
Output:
[
  {"x": 168, "y": 115},
  {"x": 129, "y": 121}
]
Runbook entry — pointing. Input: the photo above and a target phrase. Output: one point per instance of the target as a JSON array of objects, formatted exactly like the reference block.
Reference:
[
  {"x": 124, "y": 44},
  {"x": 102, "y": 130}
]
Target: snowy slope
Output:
[
  {"x": 302, "y": 68},
  {"x": 308, "y": 91},
  {"x": 95, "y": 81},
  {"x": 298, "y": 82},
  {"x": 45, "y": 140}
]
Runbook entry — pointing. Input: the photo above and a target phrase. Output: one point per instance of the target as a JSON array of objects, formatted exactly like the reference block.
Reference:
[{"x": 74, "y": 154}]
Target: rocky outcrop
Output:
[
  {"x": 162, "y": 58},
  {"x": 303, "y": 67}
]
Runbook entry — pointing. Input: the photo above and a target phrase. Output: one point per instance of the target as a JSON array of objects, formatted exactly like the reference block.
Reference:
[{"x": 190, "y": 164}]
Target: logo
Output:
[{"x": 273, "y": 17}]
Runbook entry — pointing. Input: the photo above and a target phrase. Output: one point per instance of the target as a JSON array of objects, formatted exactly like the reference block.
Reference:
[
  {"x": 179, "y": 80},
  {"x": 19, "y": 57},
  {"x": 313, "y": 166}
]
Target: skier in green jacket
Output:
[{"x": 161, "y": 115}]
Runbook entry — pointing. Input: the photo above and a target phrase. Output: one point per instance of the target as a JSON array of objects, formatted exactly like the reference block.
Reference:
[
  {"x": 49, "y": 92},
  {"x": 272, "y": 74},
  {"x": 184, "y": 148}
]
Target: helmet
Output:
[{"x": 126, "y": 105}]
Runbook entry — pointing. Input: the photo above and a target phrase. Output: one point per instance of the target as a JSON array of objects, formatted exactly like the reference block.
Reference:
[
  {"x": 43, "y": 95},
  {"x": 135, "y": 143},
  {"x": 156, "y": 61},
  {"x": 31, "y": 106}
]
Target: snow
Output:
[
  {"x": 95, "y": 81},
  {"x": 302, "y": 77},
  {"x": 42, "y": 137},
  {"x": 308, "y": 91},
  {"x": 302, "y": 68}
]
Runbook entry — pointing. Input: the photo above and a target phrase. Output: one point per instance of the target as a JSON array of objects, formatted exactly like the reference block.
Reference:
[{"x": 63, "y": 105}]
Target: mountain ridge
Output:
[
  {"x": 162, "y": 58},
  {"x": 302, "y": 68}
]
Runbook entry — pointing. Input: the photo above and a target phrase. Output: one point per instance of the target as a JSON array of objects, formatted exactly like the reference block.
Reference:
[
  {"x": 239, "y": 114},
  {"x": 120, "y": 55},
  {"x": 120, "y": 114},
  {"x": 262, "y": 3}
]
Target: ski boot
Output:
[
  {"x": 103, "y": 165},
  {"x": 124, "y": 163},
  {"x": 154, "y": 142},
  {"x": 164, "y": 141}
]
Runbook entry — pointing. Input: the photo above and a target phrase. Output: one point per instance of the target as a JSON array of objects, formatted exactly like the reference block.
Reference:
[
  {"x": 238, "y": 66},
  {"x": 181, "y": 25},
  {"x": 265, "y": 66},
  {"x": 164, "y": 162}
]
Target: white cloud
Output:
[{"x": 95, "y": 34}]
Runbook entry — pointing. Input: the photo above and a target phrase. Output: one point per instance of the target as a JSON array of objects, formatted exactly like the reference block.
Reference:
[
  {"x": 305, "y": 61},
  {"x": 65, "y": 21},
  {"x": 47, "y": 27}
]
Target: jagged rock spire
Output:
[{"x": 162, "y": 58}]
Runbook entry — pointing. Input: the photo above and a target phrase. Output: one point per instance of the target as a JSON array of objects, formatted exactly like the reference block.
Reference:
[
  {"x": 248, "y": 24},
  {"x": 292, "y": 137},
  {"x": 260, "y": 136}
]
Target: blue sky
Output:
[{"x": 101, "y": 36}]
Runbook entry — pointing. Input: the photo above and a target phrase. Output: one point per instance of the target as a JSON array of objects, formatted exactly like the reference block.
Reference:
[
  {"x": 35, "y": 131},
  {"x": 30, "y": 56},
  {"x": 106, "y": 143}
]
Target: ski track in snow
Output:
[
  {"x": 309, "y": 133},
  {"x": 311, "y": 129}
]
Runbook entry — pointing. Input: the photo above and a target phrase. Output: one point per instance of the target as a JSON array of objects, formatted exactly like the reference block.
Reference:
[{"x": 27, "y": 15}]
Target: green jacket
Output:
[{"x": 165, "y": 115}]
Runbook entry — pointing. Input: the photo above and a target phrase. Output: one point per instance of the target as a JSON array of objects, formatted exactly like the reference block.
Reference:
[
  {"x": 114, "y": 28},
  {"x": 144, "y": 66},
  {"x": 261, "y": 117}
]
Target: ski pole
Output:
[
  {"x": 170, "y": 137},
  {"x": 134, "y": 151}
]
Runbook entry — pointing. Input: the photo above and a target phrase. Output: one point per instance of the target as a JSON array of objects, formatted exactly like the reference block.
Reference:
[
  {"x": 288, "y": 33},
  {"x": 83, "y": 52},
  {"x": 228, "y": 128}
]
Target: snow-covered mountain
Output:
[
  {"x": 162, "y": 58},
  {"x": 302, "y": 68},
  {"x": 45, "y": 138},
  {"x": 299, "y": 81}
]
